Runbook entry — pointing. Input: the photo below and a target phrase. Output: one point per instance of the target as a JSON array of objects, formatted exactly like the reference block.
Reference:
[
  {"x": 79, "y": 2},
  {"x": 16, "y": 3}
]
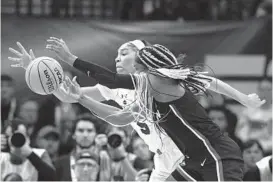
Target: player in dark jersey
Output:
[{"x": 166, "y": 92}]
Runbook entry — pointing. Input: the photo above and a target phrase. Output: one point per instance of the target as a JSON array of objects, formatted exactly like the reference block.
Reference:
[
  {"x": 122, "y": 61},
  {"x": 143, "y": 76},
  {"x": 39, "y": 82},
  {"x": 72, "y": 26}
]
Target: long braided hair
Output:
[{"x": 160, "y": 61}]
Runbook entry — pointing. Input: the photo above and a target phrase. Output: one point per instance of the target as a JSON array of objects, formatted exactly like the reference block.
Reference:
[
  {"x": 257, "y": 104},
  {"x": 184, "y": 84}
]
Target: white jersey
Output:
[
  {"x": 26, "y": 170},
  {"x": 263, "y": 166},
  {"x": 167, "y": 154}
]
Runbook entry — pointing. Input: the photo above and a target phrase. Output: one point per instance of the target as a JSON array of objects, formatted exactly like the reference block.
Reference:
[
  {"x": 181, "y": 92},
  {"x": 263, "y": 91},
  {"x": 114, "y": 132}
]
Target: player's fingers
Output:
[
  {"x": 15, "y": 52},
  {"x": 63, "y": 91},
  {"x": 66, "y": 79},
  {"x": 69, "y": 83},
  {"x": 16, "y": 65},
  {"x": 74, "y": 79},
  {"x": 263, "y": 102},
  {"x": 64, "y": 86},
  {"x": 23, "y": 50},
  {"x": 31, "y": 53},
  {"x": 54, "y": 38},
  {"x": 14, "y": 59},
  {"x": 54, "y": 42},
  {"x": 53, "y": 48},
  {"x": 62, "y": 41}
]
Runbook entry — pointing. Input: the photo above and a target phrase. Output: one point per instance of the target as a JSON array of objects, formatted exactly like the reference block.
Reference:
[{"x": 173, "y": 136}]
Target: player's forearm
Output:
[
  {"x": 223, "y": 88},
  {"x": 103, "y": 75},
  {"x": 93, "y": 92},
  {"x": 108, "y": 113}
]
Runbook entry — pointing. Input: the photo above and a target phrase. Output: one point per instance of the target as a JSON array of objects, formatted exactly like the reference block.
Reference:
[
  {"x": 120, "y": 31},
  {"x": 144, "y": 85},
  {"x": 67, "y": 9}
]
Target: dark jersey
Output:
[{"x": 189, "y": 126}]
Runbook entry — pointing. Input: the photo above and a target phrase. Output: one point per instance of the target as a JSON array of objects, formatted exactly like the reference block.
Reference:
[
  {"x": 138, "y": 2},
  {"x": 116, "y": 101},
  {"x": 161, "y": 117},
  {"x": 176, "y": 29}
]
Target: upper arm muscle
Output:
[{"x": 163, "y": 90}]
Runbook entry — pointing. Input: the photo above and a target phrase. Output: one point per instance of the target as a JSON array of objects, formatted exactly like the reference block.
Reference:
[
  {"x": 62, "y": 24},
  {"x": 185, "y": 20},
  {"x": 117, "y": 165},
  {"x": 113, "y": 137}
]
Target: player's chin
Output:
[{"x": 120, "y": 70}]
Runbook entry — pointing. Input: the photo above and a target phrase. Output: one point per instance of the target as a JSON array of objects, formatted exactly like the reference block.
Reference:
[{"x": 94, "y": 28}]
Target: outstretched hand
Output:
[
  {"x": 71, "y": 88},
  {"x": 62, "y": 51},
  {"x": 254, "y": 101},
  {"x": 23, "y": 58}
]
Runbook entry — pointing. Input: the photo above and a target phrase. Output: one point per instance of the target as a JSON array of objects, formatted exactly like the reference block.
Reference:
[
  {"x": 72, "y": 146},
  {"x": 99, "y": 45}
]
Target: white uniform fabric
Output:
[
  {"x": 263, "y": 166},
  {"x": 26, "y": 170},
  {"x": 167, "y": 155}
]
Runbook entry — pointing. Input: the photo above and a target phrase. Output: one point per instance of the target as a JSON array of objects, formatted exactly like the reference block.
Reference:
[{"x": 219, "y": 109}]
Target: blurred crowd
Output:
[
  {"x": 147, "y": 9},
  {"x": 81, "y": 147}
]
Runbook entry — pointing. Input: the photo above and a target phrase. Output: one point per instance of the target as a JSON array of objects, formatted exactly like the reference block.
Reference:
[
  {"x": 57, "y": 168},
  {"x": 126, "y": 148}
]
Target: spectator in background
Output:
[
  {"x": 29, "y": 111},
  {"x": 87, "y": 166},
  {"x": 65, "y": 114},
  {"x": 121, "y": 160},
  {"x": 126, "y": 9},
  {"x": 144, "y": 157},
  {"x": 60, "y": 114},
  {"x": 126, "y": 139},
  {"x": 257, "y": 123},
  {"x": 84, "y": 131},
  {"x": 78, "y": 8},
  {"x": 216, "y": 100},
  {"x": 252, "y": 153},
  {"x": 48, "y": 138},
  {"x": 8, "y": 100},
  {"x": 169, "y": 10},
  {"x": 29, "y": 163},
  {"x": 264, "y": 8},
  {"x": 143, "y": 175},
  {"x": 121, "y": 168},
  {"x": 55, "y": 8},
  {"x": 219, "y": 115},
  {"x": 65, "y": 7}
]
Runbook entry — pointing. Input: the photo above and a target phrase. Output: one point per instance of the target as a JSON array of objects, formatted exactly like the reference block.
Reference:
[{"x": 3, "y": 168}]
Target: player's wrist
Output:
[{"x": 71, "y": 60}]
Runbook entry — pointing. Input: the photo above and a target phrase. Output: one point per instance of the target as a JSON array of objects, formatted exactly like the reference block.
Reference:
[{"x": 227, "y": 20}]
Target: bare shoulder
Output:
[{"x": 165, "y": 89}]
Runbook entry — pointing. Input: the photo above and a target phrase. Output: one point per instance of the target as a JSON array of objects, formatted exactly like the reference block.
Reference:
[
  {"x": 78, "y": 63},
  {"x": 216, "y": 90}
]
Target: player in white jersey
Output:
[{"x": 167, "y": 156}]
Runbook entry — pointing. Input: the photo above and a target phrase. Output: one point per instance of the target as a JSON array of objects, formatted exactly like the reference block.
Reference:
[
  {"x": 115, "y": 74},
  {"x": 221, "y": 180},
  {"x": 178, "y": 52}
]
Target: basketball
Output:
[{"x": 44, "y": 75}]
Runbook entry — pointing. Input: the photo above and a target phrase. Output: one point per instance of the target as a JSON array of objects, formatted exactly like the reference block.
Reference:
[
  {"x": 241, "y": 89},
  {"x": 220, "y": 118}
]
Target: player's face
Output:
[
  {"x": 85, "y": 134},
  {"x": 252, "y": 155},
  {"x": 125, "y": 59}
]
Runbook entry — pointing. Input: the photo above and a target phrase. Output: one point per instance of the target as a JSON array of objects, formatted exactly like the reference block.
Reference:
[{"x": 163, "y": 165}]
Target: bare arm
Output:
[
  {"x": 98, "y": 93},
  {"x": 251, "y": 100},
  {"x": 93, "y": 92},
  {"x": 221, "y": 87},
  {"x": 108, "y": 113}
]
